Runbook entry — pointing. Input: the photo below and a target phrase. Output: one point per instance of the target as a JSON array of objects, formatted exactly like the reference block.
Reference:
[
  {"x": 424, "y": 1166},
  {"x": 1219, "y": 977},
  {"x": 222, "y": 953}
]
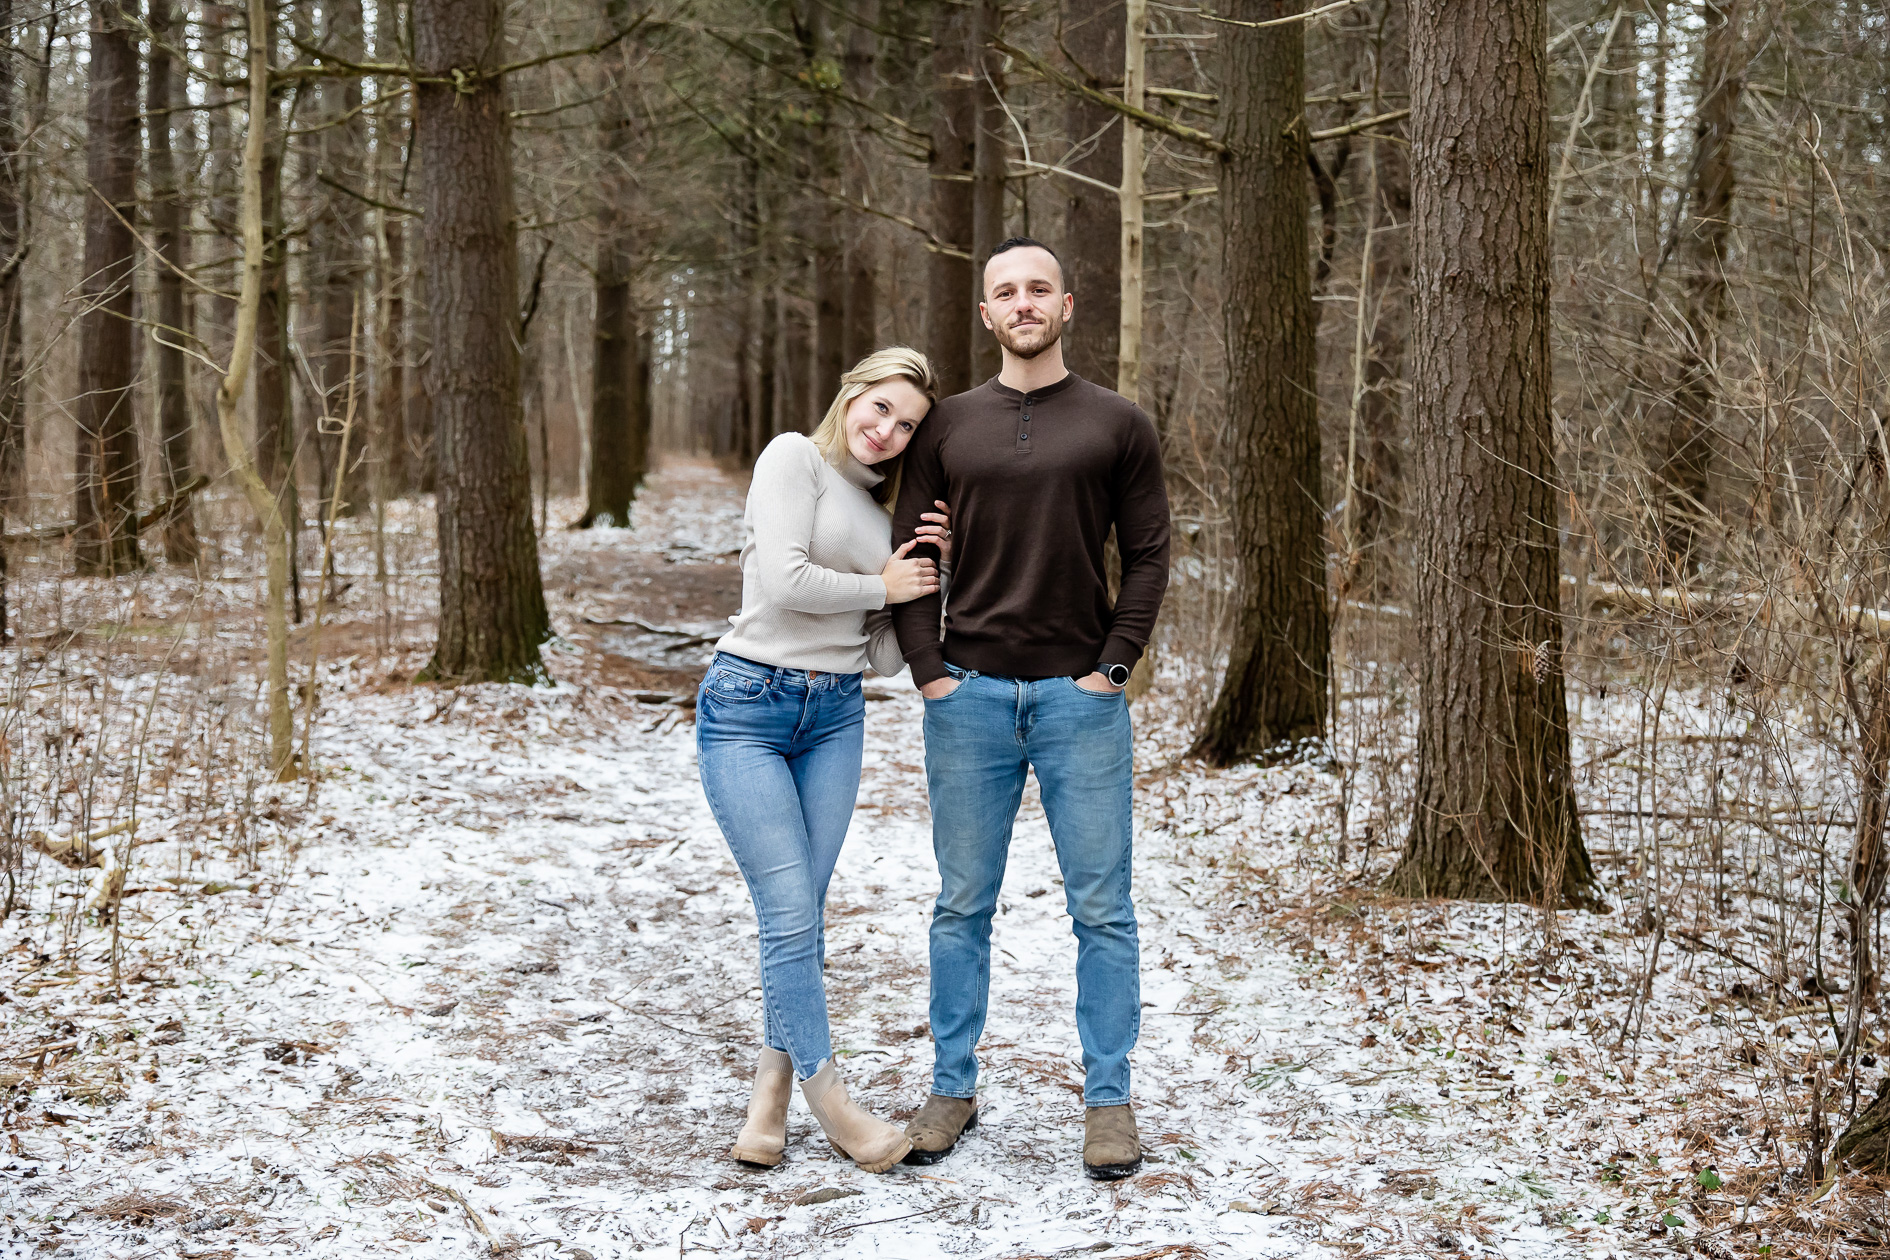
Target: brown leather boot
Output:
[
  {"x": 1111, "y": 1147},
  {"x": 765, "y": 1134},
  {"x": 871, "y": 1143},
  {"x": 938, "y": 1126}
]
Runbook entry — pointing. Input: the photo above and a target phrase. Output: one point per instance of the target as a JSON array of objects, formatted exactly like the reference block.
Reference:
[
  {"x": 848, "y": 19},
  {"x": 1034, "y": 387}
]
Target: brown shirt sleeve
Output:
[
  {"x": 1141, "y": 509},
  {"x": 916, "y": 622}
]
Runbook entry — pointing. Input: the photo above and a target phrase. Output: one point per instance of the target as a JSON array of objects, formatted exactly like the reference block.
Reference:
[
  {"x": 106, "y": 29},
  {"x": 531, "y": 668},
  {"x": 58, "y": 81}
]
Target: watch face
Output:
[{"x": 1117, "y": 674}]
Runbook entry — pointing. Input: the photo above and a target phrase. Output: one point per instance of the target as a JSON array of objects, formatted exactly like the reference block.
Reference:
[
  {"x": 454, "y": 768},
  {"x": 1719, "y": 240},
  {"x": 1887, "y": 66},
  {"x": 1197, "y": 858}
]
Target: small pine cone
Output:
[{"x": 1544, "y": 661}]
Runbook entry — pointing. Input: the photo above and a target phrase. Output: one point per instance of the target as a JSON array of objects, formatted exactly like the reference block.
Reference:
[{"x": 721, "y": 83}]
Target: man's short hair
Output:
[{"x": 1031, "y": 242}]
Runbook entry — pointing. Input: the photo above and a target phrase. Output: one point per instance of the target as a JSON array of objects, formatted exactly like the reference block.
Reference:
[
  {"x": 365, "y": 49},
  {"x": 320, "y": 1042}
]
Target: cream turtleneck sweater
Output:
[{"x": 812, "y": 597}]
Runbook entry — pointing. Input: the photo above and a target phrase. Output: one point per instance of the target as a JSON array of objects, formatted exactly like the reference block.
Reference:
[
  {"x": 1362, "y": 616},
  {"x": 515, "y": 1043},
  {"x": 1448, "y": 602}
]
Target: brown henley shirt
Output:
[{"x": 1035, "y": 482}]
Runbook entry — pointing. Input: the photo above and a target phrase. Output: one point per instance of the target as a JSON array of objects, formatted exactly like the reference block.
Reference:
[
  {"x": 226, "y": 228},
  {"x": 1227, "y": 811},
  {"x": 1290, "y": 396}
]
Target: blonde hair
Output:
[{"x": 830, "y": 436}]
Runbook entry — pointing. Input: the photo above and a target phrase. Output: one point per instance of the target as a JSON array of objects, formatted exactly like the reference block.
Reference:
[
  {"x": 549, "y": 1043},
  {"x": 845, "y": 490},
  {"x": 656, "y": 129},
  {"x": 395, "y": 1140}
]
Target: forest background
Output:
[{"x": 1519, "y": 371}]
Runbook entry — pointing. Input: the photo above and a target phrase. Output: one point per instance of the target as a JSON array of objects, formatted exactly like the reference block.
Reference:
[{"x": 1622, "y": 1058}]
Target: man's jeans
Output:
[
  {"x": 979, "y": 742},
  {"x": 780, "y": 761}
]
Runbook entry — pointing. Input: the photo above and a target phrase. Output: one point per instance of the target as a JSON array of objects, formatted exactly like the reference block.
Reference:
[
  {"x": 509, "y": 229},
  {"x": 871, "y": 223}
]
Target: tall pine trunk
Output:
[
  {"x": 163, "y": 92},
  {"x": 1092, "y": 253},
  {"x": 616, "y": 460},
  {"x": 492, "y": 602},
  {"x": 1683, "y": 435},
  {"x": 859, "y": 335},
  {"x": 989, "y": 145},
  {"x": 106, "y": 541},
  {"x": 951, "y": 284},
  {"x": 1273, "y": 697},
  {"x": 828, "y": 230},
  {"x": 1494, "y": 816},
  {"x": 390, "y": 404},
  {"x": 13, "y": 248}
]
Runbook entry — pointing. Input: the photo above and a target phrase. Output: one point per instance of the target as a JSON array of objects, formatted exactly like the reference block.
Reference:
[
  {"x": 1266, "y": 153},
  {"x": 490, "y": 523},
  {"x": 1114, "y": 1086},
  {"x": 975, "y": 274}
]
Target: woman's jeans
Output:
[
  {"x": 980, "y": 742},
  {"x": 780, "y": 760}
]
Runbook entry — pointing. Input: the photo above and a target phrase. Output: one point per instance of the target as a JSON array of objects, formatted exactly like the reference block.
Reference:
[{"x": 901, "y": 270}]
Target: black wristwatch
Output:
[{"x": 1118, "y": 675}]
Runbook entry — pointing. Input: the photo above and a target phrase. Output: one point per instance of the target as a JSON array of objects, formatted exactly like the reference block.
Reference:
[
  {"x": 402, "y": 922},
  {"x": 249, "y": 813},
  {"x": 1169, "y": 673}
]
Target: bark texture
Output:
[
  {"x": 859, "y": 335},
  {"x": 1091, "y": 251},
  {"x": 492, "y": 604},
  {"x": 164, "y": 90},
  {"x": 1274, "y": 692},
  {"x": 989, "y": 146},
  {"x": 105, "y": 541},
  {"x": 951, "y": 281},
  {"x": 13, "y": 247},
  {"x": 616, "y": 462},
  {"x": 274, "y": 417},
  {"x": 1684, "y": 430},
  {"x": 1494, "y": 816}
]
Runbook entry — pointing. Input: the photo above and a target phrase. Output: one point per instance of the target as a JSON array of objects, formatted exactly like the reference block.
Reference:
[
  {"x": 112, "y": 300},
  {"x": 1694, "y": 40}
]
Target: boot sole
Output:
[
  {"x": 1112, "y": 1172},
  {"x": 921, "y": 1159},
  {"x": 757, "y": 1158}
]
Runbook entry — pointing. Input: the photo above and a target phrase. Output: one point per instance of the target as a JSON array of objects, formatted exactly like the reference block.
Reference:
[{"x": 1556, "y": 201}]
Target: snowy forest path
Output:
[{"x": 505, "y": 995}]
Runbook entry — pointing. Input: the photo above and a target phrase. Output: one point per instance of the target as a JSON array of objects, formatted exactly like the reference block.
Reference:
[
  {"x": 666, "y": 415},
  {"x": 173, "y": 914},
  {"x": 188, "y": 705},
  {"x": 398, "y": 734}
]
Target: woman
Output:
[{"x": 780, "y": 717}]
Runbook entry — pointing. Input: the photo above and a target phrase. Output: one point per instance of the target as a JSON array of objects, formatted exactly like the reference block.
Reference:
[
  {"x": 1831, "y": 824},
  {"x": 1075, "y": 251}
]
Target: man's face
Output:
[{"x": 1024, "y": 304}]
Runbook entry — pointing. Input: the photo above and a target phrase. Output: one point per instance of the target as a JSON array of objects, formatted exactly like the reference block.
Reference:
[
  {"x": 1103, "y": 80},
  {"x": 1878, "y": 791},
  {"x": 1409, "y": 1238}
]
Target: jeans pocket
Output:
[
  {"x": 734, "y": 686},
  {"x": 1081, "y": 690}
]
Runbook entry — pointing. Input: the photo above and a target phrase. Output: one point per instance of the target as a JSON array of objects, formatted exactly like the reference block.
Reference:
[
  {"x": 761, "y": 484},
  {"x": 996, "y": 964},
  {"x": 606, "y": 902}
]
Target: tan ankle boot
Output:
[
  {"x": 872, "y": 1144},
  {"x": 765, "y": 1133}
]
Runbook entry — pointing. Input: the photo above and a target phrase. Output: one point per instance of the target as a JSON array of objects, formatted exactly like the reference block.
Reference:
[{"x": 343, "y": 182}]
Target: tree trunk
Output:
[
  {"x": 107, "y": 465},
  {"x": 825, "y": 230},
  {"x": 1865, "y": 1144},
  {"x": 13, "y": 247},
  {"x": 1494, "y": 817},
  {"x": 339, "y": 270},
  {"x": 989, "y": 146},
  {"x": 951, "y": 283},
  {"x": 1684, "y": 431},
  {"x": 164, "y": 90},
  {"x": 798, "y": 349},
  {"x": 390, "y": 410},
  {"x": 221, "y": 205},
  {"x": 616, "y": 466},
  {"x": 492, "y": 604},
  {"x": 766, "y": 421},
  {"x": 1092, "y": 256},
  {"x": 859, "y": 334},
  {"x": 1273, "y": 698},
  {"x": 274, "y": 416}
]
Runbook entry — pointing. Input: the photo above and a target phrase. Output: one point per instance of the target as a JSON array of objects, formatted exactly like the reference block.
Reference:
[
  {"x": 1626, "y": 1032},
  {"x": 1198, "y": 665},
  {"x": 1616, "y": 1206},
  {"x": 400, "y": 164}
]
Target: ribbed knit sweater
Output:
[{"x": 812, "y": 597}]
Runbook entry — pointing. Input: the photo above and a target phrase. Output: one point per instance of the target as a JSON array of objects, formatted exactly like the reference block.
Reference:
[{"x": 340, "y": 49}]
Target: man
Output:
[{"x": 1038, "y": 465}]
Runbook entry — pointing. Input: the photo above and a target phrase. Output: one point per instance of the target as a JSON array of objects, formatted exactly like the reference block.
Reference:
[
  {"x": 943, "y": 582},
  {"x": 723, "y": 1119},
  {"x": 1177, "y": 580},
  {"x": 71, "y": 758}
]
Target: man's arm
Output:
[
  {"x": 916, "y": 621},
  {"x": 1142, "y": 537}
]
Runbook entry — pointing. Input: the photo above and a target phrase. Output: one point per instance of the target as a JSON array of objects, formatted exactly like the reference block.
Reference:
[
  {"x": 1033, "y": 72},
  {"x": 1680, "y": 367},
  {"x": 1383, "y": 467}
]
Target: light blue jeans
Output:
[
  {"x": 980, "y": 741},
  {"x": 780, "y": 760}
]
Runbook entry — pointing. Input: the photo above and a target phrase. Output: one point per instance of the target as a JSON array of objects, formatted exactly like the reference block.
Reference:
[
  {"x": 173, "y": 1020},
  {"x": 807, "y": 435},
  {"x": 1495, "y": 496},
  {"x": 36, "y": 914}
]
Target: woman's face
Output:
[{"x": 882, "y": 420}]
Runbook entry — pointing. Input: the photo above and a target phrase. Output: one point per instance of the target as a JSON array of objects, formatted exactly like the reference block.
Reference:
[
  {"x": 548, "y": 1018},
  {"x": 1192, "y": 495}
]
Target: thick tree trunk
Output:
[
  {"x": 1273, "y": 698},
  {"x": 989, "y": 147},
  {"x": 164, "y": 90},
  {"x": 1092, "y": 255},
  {"x": 1494, "y": 817},
  {"x": 13, "y": 246},
  {"x": 107, "y": 463},
  {"x": 492, "y": 603},
  {"x": 1684, "y": 429},
  {"x": 616, "y": 465},
  {"x": 859, "y": 334},
  {"x": 216, "y": 312},
  {"x": 951, "y": 284},
  {"x": 336, "y": 260}
]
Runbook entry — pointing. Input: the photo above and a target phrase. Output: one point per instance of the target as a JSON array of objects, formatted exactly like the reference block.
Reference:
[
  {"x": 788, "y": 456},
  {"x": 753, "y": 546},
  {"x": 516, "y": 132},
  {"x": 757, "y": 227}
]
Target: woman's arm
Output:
[
  {"x": 882, "y": 645},
  {"x": 781, "y": 500}
]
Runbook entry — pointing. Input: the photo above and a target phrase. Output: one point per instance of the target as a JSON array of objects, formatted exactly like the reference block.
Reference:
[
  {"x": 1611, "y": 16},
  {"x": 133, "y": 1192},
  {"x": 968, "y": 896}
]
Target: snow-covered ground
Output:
[{"x": 494, "y": 992}]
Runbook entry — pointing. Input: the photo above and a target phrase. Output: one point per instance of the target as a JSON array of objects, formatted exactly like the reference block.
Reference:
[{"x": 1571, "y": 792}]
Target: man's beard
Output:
[{"x": 1051, "y": 330}]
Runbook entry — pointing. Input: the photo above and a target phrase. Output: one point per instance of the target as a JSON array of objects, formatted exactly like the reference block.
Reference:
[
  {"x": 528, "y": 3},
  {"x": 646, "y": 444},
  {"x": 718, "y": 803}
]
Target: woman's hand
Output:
[
  {"x": 905, "y": 579},
  {"x": 939, "y": 533}
]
